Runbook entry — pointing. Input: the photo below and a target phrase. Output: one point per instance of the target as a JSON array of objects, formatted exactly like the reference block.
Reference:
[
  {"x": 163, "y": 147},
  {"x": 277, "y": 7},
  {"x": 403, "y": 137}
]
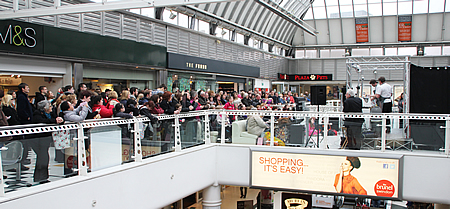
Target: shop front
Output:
[
  {"x": 280, "y": 87},
  {"x": 118, "y": 78},
  {"x": 182, "y": 80},
  {"x": 194, "y": 73},
  {"x": 262, "y": 85},
  {"x": 28, "y": 69},
  {"x": 55, "y": 57},
  {"x": 33, "y": 72},
  {"x": 301, "y": 83}
]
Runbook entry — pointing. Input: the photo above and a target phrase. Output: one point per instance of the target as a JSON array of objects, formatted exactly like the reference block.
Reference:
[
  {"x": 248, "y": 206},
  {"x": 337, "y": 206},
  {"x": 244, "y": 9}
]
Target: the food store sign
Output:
[
  {"x": 305, "y": 77},
  {"x": 20, "y": 36}
]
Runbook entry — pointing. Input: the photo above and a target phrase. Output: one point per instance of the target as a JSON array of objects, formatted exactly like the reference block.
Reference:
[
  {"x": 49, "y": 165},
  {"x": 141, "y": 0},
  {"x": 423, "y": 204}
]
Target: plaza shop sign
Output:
[{"x": 305, "y": 77}]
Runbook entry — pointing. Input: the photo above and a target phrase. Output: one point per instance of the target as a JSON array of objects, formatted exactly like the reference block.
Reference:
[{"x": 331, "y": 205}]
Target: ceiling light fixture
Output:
[{"x": 172, "y": 15}]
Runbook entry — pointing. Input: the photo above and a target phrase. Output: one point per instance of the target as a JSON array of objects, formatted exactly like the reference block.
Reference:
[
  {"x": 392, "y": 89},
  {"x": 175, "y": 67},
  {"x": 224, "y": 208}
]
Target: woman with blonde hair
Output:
[
  {"x": 13, "y": 100},
  {"x": 72, "y": 98},
  {"x": 60, "y": 99},
  {"x": 124, "y": 97},
  {"x": 112, "y": 98},
  {"x": 9, "y": 110},
  {"x": 140, "y": 98}
]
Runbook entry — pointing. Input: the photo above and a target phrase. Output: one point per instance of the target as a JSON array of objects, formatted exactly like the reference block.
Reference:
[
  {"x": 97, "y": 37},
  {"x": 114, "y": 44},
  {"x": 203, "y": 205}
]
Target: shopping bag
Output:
[{"x": 61, "y": 139}]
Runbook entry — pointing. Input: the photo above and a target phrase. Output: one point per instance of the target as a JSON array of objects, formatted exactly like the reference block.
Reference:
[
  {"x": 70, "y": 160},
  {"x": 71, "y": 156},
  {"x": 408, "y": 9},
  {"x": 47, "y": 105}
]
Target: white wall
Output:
[{"x": 161, "y": 180}]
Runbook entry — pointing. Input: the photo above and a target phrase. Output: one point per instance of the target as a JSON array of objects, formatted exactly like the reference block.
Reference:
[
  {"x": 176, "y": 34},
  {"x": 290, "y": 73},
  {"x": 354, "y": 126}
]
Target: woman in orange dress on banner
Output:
[{"x": 345, "y": 182}]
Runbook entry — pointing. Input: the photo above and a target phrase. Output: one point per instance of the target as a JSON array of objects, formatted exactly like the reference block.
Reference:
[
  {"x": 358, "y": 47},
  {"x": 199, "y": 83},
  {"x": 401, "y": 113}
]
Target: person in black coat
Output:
[
  {"x": 166, "y": 104},
  {"x": 41, "y": 95},
  {"x": 353, "y": 105},
  {"x": 246, "y": 101},
  {"x": 41, "y": 142},
  {"x": 132, "y": 107},
  {"x": 24, "y": 109},
  {"x": 145, "y": 111},
  {"x": 186, "y": 105}
]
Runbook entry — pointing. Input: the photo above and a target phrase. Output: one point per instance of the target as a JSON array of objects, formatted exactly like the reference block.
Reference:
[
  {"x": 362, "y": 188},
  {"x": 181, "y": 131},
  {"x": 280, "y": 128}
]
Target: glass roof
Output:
[{"x": 322, "y": 9}]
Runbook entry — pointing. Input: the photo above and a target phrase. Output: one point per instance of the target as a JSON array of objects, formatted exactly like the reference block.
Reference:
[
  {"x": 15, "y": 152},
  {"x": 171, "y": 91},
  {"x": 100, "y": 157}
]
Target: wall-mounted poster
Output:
[
  {"x": 362, "y": 30},
  {"x": 404, "y": 28}
]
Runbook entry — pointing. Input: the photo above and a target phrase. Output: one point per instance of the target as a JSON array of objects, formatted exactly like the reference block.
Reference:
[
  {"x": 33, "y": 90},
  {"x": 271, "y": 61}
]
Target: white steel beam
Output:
[
  {"x": 97, "y": 7},
  {"x": 15, "y": 5}
]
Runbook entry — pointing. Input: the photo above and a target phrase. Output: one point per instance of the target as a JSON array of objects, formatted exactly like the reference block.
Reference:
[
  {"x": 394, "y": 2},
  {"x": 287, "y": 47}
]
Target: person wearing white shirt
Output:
[{"x": 384, "y": 94}]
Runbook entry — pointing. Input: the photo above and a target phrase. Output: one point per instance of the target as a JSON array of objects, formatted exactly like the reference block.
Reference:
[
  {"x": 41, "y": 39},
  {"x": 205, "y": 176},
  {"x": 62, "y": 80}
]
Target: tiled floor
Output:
[
  {"x": 56, "y": 171},
  {"x": 230, "y": 196}
]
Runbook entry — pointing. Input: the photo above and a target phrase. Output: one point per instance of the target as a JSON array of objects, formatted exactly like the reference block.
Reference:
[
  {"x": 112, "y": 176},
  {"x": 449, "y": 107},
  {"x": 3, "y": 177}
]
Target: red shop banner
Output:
[
  {"x": 362, "y": 30},
  {"x": 404, "y": 28}
]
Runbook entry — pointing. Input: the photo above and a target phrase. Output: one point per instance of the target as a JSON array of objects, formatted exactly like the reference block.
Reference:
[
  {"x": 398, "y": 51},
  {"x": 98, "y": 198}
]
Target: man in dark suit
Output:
[
  {"x": 24, "y": 109},
  {"x": 353, "y": 105}
]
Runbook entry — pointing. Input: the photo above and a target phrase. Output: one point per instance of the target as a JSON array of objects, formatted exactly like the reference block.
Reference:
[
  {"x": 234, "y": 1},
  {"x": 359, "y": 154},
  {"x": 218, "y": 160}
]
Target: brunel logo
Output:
[{"x": 16, "y": 35}]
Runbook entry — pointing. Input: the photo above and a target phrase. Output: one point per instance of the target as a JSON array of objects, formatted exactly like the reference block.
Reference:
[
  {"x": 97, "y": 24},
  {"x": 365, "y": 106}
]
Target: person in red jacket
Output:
[
  {"x": 97, "y": 105},
  {"x": 230, "y": 106}
]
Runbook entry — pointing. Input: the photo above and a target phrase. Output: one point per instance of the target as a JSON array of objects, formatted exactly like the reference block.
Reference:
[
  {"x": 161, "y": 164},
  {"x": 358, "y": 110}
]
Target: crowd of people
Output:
[
  {"x": 72, "y": 105},
  {"x": 75, "y": 105}
]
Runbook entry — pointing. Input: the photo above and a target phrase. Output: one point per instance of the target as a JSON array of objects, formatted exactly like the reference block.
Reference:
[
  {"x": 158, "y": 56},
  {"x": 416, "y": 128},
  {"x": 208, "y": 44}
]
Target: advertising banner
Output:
[
  {"x": 362, "y": 30},
  {"x": 326, "y": 173},
  {"x": 404, "y": 28}
]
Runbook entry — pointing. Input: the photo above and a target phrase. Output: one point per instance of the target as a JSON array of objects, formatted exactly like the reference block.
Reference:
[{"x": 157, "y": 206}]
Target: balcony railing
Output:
[{"x": 92, "y": 145}]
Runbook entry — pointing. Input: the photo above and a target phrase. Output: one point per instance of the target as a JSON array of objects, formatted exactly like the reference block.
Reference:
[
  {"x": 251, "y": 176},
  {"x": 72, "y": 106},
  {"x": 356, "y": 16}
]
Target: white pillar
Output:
[{"x": 211, "y": 197}]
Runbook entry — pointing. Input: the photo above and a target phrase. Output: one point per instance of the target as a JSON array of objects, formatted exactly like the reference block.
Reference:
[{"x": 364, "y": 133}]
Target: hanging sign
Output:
[
  {"x": 404, "y": 28},
  {"x": 362, "y": 30}
]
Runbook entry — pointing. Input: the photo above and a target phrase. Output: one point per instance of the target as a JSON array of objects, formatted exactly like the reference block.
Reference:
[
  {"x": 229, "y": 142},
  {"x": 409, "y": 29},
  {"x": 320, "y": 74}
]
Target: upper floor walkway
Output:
[{"x": 115, "y": 166}]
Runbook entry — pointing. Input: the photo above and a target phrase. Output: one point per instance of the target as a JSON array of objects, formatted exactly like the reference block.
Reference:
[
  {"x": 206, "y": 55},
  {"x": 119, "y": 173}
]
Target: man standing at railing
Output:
[
  {"x": 384, "y": 94},
  {"x": 352, "y": 105},
  {"x": 24, "y": 109}
]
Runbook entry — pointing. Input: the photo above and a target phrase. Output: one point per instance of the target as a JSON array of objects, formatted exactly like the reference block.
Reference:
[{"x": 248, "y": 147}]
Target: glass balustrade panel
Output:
[{"x": 38, "y": 154}]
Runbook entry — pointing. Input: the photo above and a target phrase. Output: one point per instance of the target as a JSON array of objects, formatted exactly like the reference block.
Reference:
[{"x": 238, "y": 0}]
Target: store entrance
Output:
[
  {"x": 113, "y": 84},
  {"x": 226, "y": 86}
]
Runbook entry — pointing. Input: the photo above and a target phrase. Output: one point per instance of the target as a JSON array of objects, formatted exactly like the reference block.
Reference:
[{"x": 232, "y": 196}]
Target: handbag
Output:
[
  {"x": 4, "y": 122},
  {"x": 61, "y": 139}
]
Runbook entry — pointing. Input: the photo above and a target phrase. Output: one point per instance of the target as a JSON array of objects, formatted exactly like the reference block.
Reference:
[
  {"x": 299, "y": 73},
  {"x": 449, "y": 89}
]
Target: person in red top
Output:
[
  {"x": 345, "y": 182},
  {"x": 97, "y": 106},
  {"x": 155, "y": 108},
  {"x": 230, "y": 106}
]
